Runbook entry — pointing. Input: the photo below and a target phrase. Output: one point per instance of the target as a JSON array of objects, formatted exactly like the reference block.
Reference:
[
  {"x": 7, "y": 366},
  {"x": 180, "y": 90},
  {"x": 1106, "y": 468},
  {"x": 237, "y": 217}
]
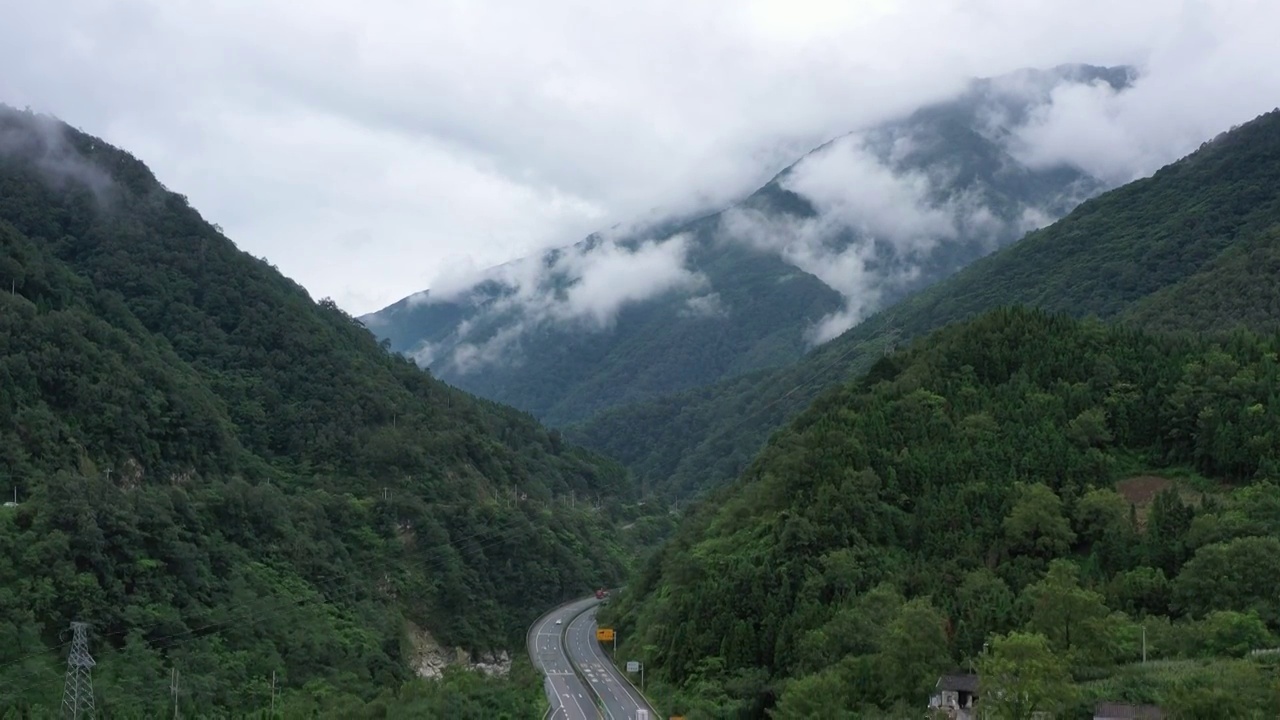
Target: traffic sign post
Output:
[
  {"x": 605, "y": 635},
  {"x": 634, "y": 666}
]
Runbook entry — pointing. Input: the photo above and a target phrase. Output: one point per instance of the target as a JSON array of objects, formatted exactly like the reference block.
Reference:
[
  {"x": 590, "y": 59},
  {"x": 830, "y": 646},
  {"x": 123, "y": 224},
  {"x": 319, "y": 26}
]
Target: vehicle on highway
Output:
[{"x": 558, "y": 621}]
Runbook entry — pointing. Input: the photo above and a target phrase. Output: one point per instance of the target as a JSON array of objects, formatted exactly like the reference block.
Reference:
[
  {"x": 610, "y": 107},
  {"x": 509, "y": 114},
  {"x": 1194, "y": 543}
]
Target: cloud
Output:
[
  {"x": 42, "y": 140},
  {"x": 1193, "y": 87},
  {"x": 875, "y": 222},
  {"x": 705, "y": 306},
  {"x": 364, "y": 147},
  {"x": 582, "y": 287}
]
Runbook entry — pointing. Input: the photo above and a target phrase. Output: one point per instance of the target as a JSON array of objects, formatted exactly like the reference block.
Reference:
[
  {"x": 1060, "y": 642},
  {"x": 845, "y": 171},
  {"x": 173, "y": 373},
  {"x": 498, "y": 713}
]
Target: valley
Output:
[{"x": 932, "y": 421}]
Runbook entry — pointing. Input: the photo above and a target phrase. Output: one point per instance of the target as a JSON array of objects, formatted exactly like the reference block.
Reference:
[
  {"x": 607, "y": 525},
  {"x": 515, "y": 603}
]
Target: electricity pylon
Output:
[{"x": 77, "y": 694}]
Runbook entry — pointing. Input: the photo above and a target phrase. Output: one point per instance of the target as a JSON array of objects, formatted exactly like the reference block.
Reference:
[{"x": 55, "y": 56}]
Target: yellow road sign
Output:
[{"x": 604, "y": 634}]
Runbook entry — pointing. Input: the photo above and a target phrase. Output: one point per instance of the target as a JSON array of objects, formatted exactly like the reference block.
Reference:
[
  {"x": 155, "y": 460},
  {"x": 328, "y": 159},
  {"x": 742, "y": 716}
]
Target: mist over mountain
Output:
[
  {"x": 1196, "y": 246},
  {"x": 857, "y": 223}
]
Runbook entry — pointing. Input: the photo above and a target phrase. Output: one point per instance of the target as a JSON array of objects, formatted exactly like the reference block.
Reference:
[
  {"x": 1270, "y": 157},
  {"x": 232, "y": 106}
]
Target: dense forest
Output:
[
  {"x": 233, "y": 483},
  {"x": 1196, "y": 246},
  {"x": 1021, "y": 491}
]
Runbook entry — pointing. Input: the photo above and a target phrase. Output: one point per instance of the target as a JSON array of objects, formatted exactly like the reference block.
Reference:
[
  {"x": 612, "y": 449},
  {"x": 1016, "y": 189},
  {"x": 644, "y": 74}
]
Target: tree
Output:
[
  {"x": 1020, "y": 676},
  {"x": 985, "y": 605},
  {"x": 1074, "y": 620},
  {"x": 915, "y": 651},
  {"x": 1036, "y": 524},
  {"x": 1241, "y": 575},
  {"x": 1226, "y": 632},
  {"x": 1089, "y": 428}
]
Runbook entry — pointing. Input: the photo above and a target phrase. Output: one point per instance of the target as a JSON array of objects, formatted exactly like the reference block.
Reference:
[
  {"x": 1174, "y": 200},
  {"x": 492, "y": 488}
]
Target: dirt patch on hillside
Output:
[{"x": 1143, "y": 489}]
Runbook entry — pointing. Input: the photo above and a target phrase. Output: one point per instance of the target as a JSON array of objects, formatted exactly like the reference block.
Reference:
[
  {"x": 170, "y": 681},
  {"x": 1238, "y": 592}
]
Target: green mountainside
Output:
[
  {"x": 1059, "y": 489},
  {"x": 519, "y": 335},
  {"x": 1195, "y": 246},
  {"x": 227, "y": 480}
]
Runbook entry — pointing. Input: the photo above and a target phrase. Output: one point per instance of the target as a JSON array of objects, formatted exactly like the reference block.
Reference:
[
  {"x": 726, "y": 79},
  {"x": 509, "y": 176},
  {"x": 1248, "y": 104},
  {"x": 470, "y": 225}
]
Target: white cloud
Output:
[
  {"x": 850, "y": 187},
  {"x": 362, "y": 146},
  {"x": 610, "y": 276},
  {"x": 42, "y": 139},
  {"x": 705, "y": 306},
  {"x": 581, "y": 287},
  {"x": 1216, "y": 69},
  {"x": 867, "y": 211}
]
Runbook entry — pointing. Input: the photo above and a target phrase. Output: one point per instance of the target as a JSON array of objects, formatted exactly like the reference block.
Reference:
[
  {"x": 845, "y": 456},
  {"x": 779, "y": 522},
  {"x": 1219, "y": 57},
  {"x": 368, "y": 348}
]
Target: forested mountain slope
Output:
[
  {"x": 847, "y": 229},
  {"x": 225, "y": 478},
  {"x": 1194, "y": 246},
  {"x": 968, "y": 487}
]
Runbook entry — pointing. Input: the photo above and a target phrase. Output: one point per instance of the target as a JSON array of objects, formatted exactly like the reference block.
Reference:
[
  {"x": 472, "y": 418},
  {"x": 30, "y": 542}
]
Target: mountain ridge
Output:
[
  {"x": 228, "y": 479},
  {"x": 1111, "y": 252},
  {"x": 762, "y": 279}
]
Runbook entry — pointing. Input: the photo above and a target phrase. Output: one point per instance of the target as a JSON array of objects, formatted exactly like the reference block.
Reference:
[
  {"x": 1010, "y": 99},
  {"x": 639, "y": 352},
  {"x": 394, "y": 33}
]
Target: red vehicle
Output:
[{"x": 602, "y": 594}]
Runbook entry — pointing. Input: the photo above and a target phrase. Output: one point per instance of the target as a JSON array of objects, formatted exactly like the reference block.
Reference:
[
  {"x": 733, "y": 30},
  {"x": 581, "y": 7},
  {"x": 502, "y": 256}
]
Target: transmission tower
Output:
[{"x": 77, "y": 695}]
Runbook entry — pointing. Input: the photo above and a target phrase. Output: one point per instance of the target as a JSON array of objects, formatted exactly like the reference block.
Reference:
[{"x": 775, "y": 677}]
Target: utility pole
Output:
[
  {"x": 273, "y": 693},
  {"x": 77, "y": 693},
  {"x": 173, "y": 687},
  {"x": 1144, "y": 644}
]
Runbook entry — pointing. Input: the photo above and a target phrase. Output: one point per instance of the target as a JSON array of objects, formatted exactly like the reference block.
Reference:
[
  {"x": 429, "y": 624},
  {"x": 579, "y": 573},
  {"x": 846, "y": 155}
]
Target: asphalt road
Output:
[
  {"x": 570, "y": 699},
  {"x": 555, "y": 650},
  {"x": 621, "y": 700}
]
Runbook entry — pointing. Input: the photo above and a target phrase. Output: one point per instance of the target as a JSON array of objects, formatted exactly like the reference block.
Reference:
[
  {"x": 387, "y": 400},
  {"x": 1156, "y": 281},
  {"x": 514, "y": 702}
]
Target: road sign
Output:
[
  {"x": 604, "y": 634},
  {"x": 633, "y": 666}
]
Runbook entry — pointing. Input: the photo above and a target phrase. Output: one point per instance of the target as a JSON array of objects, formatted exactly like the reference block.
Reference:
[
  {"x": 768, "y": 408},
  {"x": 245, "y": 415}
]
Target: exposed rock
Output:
[
  {"x": 494, "y": 663},
  {"x": 429, "y": 658}
]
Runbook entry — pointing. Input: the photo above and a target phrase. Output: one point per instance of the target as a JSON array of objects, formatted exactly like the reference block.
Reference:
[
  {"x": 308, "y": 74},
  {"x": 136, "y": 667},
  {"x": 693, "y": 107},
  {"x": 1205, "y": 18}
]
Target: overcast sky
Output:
[{"x": 369, "y": 148}]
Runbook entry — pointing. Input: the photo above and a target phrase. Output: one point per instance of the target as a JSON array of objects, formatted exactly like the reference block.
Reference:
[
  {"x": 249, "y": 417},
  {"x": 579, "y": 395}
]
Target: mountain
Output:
[
  {"x": 1022, "y": 490},
  {"x": 229, "y": 481},
  {"x": 866, "y": 219},
  {"x": 1195, "y": 246}
]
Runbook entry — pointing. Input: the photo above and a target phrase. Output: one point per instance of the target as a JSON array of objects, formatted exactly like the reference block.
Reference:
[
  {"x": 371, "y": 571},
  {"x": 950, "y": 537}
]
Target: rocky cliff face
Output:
[{"x": 430, "y": 658}]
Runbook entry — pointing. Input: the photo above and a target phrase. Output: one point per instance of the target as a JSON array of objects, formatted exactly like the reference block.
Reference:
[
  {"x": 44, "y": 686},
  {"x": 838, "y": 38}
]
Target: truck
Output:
[
  {"x": 602, "y": 594},
  {"x": 642, "y": 714}
]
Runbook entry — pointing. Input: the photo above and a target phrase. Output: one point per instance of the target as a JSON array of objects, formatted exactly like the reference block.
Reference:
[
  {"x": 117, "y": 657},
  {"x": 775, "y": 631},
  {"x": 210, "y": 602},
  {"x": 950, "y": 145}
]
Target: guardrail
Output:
[
  {"x": 626, "y": 676},
  {"x": 564, "y": 632},
  {"x": 529, "y": 647}
]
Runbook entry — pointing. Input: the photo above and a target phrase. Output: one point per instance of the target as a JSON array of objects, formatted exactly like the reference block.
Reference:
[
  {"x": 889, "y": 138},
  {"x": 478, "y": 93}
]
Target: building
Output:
[
  {"x": 955, "y": 696},
  {"x": 1126, "y": 711}
]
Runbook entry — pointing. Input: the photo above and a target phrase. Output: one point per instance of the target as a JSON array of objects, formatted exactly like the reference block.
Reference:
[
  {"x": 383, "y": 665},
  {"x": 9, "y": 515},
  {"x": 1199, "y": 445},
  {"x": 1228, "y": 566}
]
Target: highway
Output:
[
  {"x": 557, "y": 649},
  {"x": 570, "y": 699}
]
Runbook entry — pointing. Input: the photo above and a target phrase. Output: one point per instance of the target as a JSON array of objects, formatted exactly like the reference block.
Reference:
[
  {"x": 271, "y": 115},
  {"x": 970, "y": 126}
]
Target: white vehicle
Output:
[{"x": 559, "y": 621}]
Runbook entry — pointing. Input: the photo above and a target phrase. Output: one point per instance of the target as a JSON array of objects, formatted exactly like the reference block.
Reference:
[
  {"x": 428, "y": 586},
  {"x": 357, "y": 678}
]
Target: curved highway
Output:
[
  {"x": 570, "y": 699},
  {"x": 560, "y": 649},
  {"x": 621, "y": 701}
]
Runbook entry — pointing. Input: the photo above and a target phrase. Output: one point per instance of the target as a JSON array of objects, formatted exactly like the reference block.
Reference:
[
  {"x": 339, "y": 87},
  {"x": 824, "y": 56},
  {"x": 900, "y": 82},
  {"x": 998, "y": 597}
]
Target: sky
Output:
[{"x": 373, "y": 149}]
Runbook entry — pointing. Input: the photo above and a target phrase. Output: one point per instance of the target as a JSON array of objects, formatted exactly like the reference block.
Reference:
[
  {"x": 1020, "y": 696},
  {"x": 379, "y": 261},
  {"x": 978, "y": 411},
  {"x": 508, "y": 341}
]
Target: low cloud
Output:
[
  {"x": 582, "y": 287},
  {"x": 1194, "y": 86},
  {"x": 886, "y": 200},
  {"x": 496, "y": 130},
  {"x": 705, "y": 306},
  {"x": 42, "y": 140},
  {"x": 874, "y": 226}
]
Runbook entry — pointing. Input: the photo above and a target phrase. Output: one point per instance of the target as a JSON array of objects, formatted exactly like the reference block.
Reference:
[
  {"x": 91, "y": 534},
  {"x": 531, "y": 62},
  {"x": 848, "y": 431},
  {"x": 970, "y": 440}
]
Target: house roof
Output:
[
  {"x": 962, "y": 682},
  {"x": 1127, "y": 711}
]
